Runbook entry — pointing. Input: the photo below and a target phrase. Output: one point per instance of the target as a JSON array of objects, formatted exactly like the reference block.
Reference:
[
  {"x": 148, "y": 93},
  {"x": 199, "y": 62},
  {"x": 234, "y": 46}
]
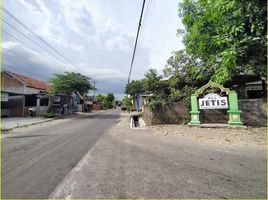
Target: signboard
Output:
[
  {"x": 4, "y": 96},
  {"x": 213, "y": 101}
]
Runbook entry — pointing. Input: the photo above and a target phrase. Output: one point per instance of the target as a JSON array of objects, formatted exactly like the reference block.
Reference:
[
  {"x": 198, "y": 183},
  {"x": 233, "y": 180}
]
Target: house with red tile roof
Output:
[{"x": 22, "y": 95}]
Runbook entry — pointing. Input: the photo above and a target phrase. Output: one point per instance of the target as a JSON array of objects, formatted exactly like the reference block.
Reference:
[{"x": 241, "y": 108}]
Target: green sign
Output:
[{"x": 215, "y": 101}]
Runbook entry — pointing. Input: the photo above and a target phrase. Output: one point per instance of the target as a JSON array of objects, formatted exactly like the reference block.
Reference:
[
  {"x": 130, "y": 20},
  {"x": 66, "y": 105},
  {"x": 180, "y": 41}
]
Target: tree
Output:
[
  {"x": 186, "y": 73},
  {"x": 70, "y": 82},
  {"x": 126, "y": 102},
  {"x": 110, "y": 97},
  {"x": 135, "y": 87},
  {"x": 106, "y": 100},
  {"x": 228, "y": 36},
  {"x": 152, "y": 82},
  {"x": 100, "y": 98}
]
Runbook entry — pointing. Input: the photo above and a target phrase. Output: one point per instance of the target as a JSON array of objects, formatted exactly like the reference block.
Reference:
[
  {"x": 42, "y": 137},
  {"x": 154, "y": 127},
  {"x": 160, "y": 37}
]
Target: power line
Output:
[
  {"x": 143, "y": 26},
  {"x": 21, "y": 43},
  {"x": 22, "y": 59},
  {"x": 147, "y": 16},
  {"x": 46, "y": 43},
  {"x": 137, "y": 37},
  {"x": 11, "y": 36},
  {"x": 26, "y": 36}
]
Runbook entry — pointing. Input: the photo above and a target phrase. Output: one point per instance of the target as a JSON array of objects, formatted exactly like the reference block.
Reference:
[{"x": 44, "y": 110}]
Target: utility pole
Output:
[
  {"x": 94, "y": 85},
  {"x": 135, "y": 46}
]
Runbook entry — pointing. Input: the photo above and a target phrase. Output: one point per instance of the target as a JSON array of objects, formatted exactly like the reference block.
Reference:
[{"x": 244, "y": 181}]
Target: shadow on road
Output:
[
  {"x": 102, "y": 116},
  {"x": 27, "y": 136}
]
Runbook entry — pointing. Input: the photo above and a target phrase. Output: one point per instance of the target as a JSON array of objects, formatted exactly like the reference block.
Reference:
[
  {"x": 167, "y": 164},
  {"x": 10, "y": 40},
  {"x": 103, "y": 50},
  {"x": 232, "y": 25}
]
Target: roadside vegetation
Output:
[
  {"x": 108, "y": 101},
  {"x": 222, "y": 39},
  {"x": 70, "y": 82}
]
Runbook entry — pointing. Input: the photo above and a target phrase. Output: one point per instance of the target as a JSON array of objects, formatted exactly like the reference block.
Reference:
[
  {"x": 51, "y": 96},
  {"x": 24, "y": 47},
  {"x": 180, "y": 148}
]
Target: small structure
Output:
[
  {"x": 22, "y": 95},
  {"x": 139, "y": 101},
  {"x": 206, "y": 98}
]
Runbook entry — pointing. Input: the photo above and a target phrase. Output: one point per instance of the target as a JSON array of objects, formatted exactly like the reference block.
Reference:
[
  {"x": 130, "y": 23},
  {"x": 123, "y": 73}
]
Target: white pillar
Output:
[{"x": 37, "y": 106}]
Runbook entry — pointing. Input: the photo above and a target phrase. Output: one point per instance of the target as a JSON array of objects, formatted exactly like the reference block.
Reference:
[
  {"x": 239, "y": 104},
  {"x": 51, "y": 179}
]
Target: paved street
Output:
[
  {"x": 97, "y": 155},
  {"x": 134, "y": 163},
  {"x": 36, "y": 159}
]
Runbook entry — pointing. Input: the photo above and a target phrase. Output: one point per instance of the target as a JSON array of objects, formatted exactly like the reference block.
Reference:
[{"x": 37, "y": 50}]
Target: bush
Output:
[
  {"x": 48, "y": 115},
  {"x": 156, "y": 104}
]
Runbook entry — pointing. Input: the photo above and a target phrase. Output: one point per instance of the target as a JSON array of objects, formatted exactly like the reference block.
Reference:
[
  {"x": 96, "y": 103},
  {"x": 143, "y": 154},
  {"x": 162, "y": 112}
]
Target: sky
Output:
[{"x": 95, "y": 37}]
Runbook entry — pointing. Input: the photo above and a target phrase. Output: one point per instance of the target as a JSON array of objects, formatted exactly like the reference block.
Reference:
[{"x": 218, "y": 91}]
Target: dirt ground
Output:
[{"x": 251, "y": 136}]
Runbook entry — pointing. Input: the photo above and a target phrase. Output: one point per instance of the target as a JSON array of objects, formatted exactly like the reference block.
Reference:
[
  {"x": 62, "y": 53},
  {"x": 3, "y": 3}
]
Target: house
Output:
[{"x": 22, "y": 95}]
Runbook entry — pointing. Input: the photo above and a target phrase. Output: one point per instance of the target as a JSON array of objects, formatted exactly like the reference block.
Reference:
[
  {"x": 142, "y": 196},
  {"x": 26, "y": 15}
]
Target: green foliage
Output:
[
  {"x": 70, "y": 82},
  {"x": 186, "y": 73},
  {"x": 117, "y": 102},
  {"x": 135, "y": 87},
  {"x": 155, "y": 104},
  {"x": 126, "y": 102},
  {"x": 100, "y": 98},
  {"x": 152, "y": 82},
  {"x": 227, "y": 35},
  {"x": 110, "y": 97},
  {"x": 106, "y": 100},
  {"x": 48, "y": 115}
]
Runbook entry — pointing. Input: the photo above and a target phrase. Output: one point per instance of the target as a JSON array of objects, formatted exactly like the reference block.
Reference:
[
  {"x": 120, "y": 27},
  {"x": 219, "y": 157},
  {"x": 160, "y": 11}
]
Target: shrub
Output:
[{"x": 48, "y": 115}]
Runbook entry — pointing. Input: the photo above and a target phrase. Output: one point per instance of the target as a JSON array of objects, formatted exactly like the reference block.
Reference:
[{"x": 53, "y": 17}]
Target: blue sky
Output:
[{"x": 96, "y": 35}]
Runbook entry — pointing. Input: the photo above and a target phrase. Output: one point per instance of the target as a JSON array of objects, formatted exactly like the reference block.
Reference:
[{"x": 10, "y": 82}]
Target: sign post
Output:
[
  {"x": 234, "y": 112},
  {"x": 194, "y": 112},
  {"x": 215, "y": 101}
]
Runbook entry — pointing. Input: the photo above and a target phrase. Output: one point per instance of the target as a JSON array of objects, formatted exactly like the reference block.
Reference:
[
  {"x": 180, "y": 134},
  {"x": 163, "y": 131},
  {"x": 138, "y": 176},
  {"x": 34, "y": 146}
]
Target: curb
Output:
[{"x": 25, "y": 125}]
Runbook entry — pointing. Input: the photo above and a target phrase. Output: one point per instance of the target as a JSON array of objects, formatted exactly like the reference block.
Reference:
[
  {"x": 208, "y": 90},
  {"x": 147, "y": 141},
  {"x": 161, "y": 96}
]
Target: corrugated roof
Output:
[{"x": 33, "y": 83}]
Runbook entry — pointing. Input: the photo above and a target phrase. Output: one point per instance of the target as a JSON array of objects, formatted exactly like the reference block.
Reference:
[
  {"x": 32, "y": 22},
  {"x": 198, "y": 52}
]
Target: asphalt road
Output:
[
  {"x": 36, "y": 159},
  {"x": 134, "y": 163}
]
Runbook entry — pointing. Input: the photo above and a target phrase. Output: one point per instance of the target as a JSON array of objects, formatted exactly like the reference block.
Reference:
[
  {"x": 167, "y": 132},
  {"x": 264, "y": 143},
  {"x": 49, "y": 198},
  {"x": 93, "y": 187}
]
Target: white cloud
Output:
[
  {"x": 98, "y": 36},
  {"x": 8, "y": 45}
]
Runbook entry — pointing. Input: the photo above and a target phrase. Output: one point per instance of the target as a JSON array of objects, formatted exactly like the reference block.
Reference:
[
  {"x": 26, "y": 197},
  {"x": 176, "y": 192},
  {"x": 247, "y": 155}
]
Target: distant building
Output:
[
  {"x": 22, "y": 95},
  {"x": 248, "y": 86}
]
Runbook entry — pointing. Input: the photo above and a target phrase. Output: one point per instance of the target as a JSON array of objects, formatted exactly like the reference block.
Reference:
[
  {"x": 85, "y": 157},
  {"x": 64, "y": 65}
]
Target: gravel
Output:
[{"x": 251, "y": 136}]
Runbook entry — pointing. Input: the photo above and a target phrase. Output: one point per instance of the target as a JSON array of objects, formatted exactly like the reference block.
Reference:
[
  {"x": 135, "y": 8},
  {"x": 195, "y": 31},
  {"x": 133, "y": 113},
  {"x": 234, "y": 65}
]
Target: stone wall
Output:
[
  {"x": 253, "y": 114},
  {"x": 172, "y": 113}
]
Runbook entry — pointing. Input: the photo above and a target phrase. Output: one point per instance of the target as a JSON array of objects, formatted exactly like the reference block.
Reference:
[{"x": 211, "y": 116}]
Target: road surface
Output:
[
  {"x": 36, "y": 160},
  {"x": 91, "y": 156},
  {"x": 134, "y": 163}
]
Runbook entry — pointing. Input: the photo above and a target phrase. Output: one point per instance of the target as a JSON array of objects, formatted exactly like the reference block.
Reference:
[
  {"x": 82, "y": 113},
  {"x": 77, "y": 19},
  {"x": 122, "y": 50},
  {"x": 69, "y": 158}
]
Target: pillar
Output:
[
  {"x": 194, "y": 111},
  {"x": 37, "y": 106},
  {"x": 234, "y": 112}
]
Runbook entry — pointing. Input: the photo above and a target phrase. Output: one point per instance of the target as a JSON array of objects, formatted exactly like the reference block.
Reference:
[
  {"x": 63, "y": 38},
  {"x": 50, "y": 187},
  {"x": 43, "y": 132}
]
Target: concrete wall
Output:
[
  {"x": 42, "y": 109},
  {"x": 253, "y": 114}
]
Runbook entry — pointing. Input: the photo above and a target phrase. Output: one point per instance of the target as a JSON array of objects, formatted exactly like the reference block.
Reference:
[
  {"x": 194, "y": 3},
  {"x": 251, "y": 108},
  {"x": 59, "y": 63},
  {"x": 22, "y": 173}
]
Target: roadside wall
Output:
[
  {"x": 172, "y": 113},
  {"x": 253, "y": 114}
]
